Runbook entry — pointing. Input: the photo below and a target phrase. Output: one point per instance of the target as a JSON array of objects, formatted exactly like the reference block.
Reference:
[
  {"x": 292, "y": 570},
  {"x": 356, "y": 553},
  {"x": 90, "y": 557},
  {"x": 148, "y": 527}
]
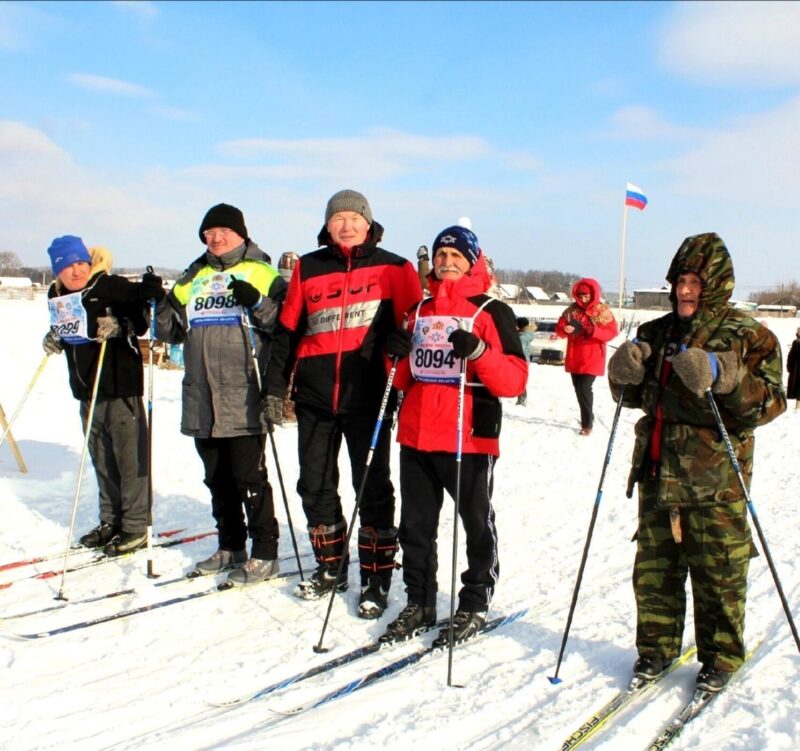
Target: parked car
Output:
[{"x": 547, "y": 348}]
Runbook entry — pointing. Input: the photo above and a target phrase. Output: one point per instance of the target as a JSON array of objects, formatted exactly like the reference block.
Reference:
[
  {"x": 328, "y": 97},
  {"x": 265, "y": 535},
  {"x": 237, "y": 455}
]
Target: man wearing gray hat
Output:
[{"x": 344, "y": 300}]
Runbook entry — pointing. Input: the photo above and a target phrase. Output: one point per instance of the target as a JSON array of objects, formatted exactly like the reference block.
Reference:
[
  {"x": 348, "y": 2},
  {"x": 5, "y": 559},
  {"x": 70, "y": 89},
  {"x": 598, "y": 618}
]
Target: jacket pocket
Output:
[{"x": 487, "y": 414}]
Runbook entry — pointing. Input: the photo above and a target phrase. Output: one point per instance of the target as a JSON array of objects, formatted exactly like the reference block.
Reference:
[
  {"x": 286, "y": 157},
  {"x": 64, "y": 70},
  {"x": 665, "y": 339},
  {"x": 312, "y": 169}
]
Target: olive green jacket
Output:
[{"x": 694, "y": 467}]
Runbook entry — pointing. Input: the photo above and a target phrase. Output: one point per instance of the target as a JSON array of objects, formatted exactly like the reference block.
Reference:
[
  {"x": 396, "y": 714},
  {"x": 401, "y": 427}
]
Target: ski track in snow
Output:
[{"x": 146, "y": 682}]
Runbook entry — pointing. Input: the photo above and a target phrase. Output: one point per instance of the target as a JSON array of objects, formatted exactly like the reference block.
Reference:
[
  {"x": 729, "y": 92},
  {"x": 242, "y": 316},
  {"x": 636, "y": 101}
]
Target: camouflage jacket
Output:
[{"x": 694, "y": 467}]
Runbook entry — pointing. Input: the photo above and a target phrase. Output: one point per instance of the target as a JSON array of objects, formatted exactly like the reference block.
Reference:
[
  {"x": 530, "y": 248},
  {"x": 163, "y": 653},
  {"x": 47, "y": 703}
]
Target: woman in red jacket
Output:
[
  {"x": 587, "y": 325},
  {"x": 458, "y": 323}
]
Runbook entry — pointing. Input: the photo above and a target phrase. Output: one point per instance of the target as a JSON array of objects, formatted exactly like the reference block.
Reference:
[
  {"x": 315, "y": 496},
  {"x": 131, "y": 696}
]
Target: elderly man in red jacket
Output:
[{"x": 458, "y": 324}]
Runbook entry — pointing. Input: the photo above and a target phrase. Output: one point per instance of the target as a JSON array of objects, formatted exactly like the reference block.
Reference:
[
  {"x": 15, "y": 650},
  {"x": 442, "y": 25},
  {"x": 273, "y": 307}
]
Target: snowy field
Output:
[{"x": 150, "y": 681}]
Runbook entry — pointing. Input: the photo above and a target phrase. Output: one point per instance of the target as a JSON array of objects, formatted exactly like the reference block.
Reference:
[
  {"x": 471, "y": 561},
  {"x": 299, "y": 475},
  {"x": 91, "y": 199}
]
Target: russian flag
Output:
[{"x": 635, "y": 197}]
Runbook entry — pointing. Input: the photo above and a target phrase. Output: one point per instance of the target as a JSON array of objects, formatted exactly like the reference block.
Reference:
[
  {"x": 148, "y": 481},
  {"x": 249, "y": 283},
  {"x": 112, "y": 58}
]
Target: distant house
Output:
[
  {"x": 560, "y": 297},
  {"x": 16, "y": 287},
  {"x": 537, "y": 294},
  {"x": 15, "y": 281},
  {"x": 510, "y": 292},
  {"x": 652, "y": 299},
  {"x": 777, "y": 311}
]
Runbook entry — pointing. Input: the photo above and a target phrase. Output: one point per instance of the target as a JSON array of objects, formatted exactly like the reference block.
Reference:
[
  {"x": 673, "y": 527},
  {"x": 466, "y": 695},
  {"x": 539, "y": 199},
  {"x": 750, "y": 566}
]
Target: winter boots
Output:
[
  {"x": 101, "y": 535},
  {"x": 126, "y": 542},
  {"x": 376, "y": 551},
  {"x": 220, "y": 561},
  {"x": 713, "y": 679},
  {"x": 650, "y": 667},
  {"x": 327, "y": 542},
  {"x": 412, "y": 620},
  {"x": 465, "y": 626},
  {"x": 253, "y": 572}
]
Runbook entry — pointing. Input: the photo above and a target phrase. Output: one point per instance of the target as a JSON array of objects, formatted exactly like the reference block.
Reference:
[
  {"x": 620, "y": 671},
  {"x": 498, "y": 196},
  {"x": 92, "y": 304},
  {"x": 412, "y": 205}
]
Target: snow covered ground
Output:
[{"x": 150, "y": 681}]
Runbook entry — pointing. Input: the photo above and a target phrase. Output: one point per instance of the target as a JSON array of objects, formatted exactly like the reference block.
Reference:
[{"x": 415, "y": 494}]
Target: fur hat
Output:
[
  {"x": 66, "y": 250},
  {"x": 223, "y": 215}
]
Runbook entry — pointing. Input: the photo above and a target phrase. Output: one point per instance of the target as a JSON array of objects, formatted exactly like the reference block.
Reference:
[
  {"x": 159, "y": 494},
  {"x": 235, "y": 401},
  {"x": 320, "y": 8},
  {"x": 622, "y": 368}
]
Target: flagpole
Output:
[{"x": 622, "y": 259}]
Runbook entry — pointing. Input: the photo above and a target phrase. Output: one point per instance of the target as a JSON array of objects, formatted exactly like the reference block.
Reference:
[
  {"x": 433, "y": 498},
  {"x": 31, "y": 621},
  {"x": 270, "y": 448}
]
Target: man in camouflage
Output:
[{"x": 692, "y": 511}]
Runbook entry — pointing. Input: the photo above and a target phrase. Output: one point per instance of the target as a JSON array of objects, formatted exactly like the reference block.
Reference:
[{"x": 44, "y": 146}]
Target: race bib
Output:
[
  {"x": 68, "y": 319},
  {"x": 211, "y": 303},
  {"x": 431, "y": 358}
]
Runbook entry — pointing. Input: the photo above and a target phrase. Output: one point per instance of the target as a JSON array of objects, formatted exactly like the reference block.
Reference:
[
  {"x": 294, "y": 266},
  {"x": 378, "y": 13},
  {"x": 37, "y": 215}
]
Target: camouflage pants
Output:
[{"x": 715, "y": 551}]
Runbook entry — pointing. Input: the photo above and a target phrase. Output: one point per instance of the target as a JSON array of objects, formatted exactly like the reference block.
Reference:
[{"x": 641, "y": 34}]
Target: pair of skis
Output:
[
  {"x": 638, "y": 689},
  {"x": 396, "y": 666},
  {"x": 98, "y": 558}
]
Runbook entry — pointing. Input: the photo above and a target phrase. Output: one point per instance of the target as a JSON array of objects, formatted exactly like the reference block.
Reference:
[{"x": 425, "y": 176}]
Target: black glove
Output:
[
  {"x": 466, "y": 344},
  {"x": 398, "y": 343},
  {"x": 151, "y": 287},
  {"x": 244, "y": 293},
  {"x": 577, "y": 326}
]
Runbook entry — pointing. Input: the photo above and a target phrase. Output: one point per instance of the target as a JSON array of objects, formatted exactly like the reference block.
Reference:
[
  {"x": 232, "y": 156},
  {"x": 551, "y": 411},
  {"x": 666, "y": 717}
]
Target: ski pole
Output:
[
  {"x": 615, "y": 424},
  {"x": 150, "y": 569},
  {"x": 462, "y": 381},
  {"x": 737, "y": 469},
  {"x": 271, "y": 432},
  {"x": 87, "y": 436},
  {"x": 24, "y": 397},
  {"x": 247, "y": 323},
  {"x": 318, "y": 648}
]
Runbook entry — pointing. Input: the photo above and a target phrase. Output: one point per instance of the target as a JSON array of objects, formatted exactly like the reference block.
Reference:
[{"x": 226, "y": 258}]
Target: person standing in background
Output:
[
  {"x": 587, "y": 325},
  {"x": 525, "y": 330}
]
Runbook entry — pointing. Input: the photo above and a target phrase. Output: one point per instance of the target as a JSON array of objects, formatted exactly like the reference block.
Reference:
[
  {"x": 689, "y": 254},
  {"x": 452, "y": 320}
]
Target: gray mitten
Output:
[
  {"x": 728, "y": 376},
  {"x": 700, "y": 370},
  {"x": 51, "y": 344},
  {"x": 626, "y": 366},
  {"x": 107, "y": 327},
  {"x": 693, "y": 366},
  {"x": 273, "y": 409}
]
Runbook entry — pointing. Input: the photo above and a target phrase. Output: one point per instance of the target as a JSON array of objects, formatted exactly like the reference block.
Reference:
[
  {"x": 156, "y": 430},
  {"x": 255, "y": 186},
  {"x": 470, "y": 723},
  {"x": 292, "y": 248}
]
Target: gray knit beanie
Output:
[{"x": 348, "y": 200}]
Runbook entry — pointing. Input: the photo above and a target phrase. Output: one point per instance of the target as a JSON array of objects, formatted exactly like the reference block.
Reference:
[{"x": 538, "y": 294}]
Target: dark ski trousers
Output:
[
  {"x": 236, "y": 475},
  {"x": 424, "y": 476},
  {"x": 319, "y": 440},
  {"x": 582, "y": 384},
  {"x": 118, "y": 448}
]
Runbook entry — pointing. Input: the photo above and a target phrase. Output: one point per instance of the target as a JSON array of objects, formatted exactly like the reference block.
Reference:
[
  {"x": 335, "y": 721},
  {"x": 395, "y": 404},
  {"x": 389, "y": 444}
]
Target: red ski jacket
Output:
[
  {"x": 586, "y": 348},
  {"x": 339, "y": 309},
  {"x": 429, "y": 414}
]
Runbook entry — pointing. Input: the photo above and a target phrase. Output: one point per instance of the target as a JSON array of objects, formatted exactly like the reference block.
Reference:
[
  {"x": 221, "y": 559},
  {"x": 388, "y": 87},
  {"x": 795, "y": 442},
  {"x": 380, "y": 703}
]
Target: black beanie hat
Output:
[{"x": 223, "y": 215}]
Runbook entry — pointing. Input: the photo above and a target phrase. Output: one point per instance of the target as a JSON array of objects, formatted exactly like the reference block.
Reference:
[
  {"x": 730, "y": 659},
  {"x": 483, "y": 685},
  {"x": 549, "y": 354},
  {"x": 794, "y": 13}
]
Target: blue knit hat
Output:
[
  {"x": 66, "y": 250},
  {"x": 460, "y": 238}
]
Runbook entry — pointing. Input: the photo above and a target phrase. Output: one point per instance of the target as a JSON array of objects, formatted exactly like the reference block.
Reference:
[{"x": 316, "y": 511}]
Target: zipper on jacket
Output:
[{"x": 337, "y": 376}]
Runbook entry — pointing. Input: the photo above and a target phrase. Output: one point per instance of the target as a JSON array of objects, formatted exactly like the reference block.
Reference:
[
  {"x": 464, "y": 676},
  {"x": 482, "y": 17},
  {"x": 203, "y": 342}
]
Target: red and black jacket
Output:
[{"x": 340, "y": 307}]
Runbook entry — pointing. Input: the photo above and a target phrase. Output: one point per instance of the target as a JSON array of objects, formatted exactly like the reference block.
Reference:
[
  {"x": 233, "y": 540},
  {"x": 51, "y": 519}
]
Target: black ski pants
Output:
[
  {"x": 424, "y": 476},
  {"x": 118, "y": 448},
  {"x": 236, "y": 475},
  {"x": 582, "y": 384},
  {"x": 319, "y": 439}
]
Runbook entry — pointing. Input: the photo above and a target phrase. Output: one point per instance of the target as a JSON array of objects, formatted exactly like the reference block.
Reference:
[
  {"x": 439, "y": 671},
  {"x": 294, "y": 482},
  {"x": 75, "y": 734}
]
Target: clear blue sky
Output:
[{"x": 122, "y": 122}]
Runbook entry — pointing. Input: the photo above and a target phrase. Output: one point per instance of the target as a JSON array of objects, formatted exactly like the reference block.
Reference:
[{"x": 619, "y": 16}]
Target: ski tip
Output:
[{"x": 554, "y": 679}]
